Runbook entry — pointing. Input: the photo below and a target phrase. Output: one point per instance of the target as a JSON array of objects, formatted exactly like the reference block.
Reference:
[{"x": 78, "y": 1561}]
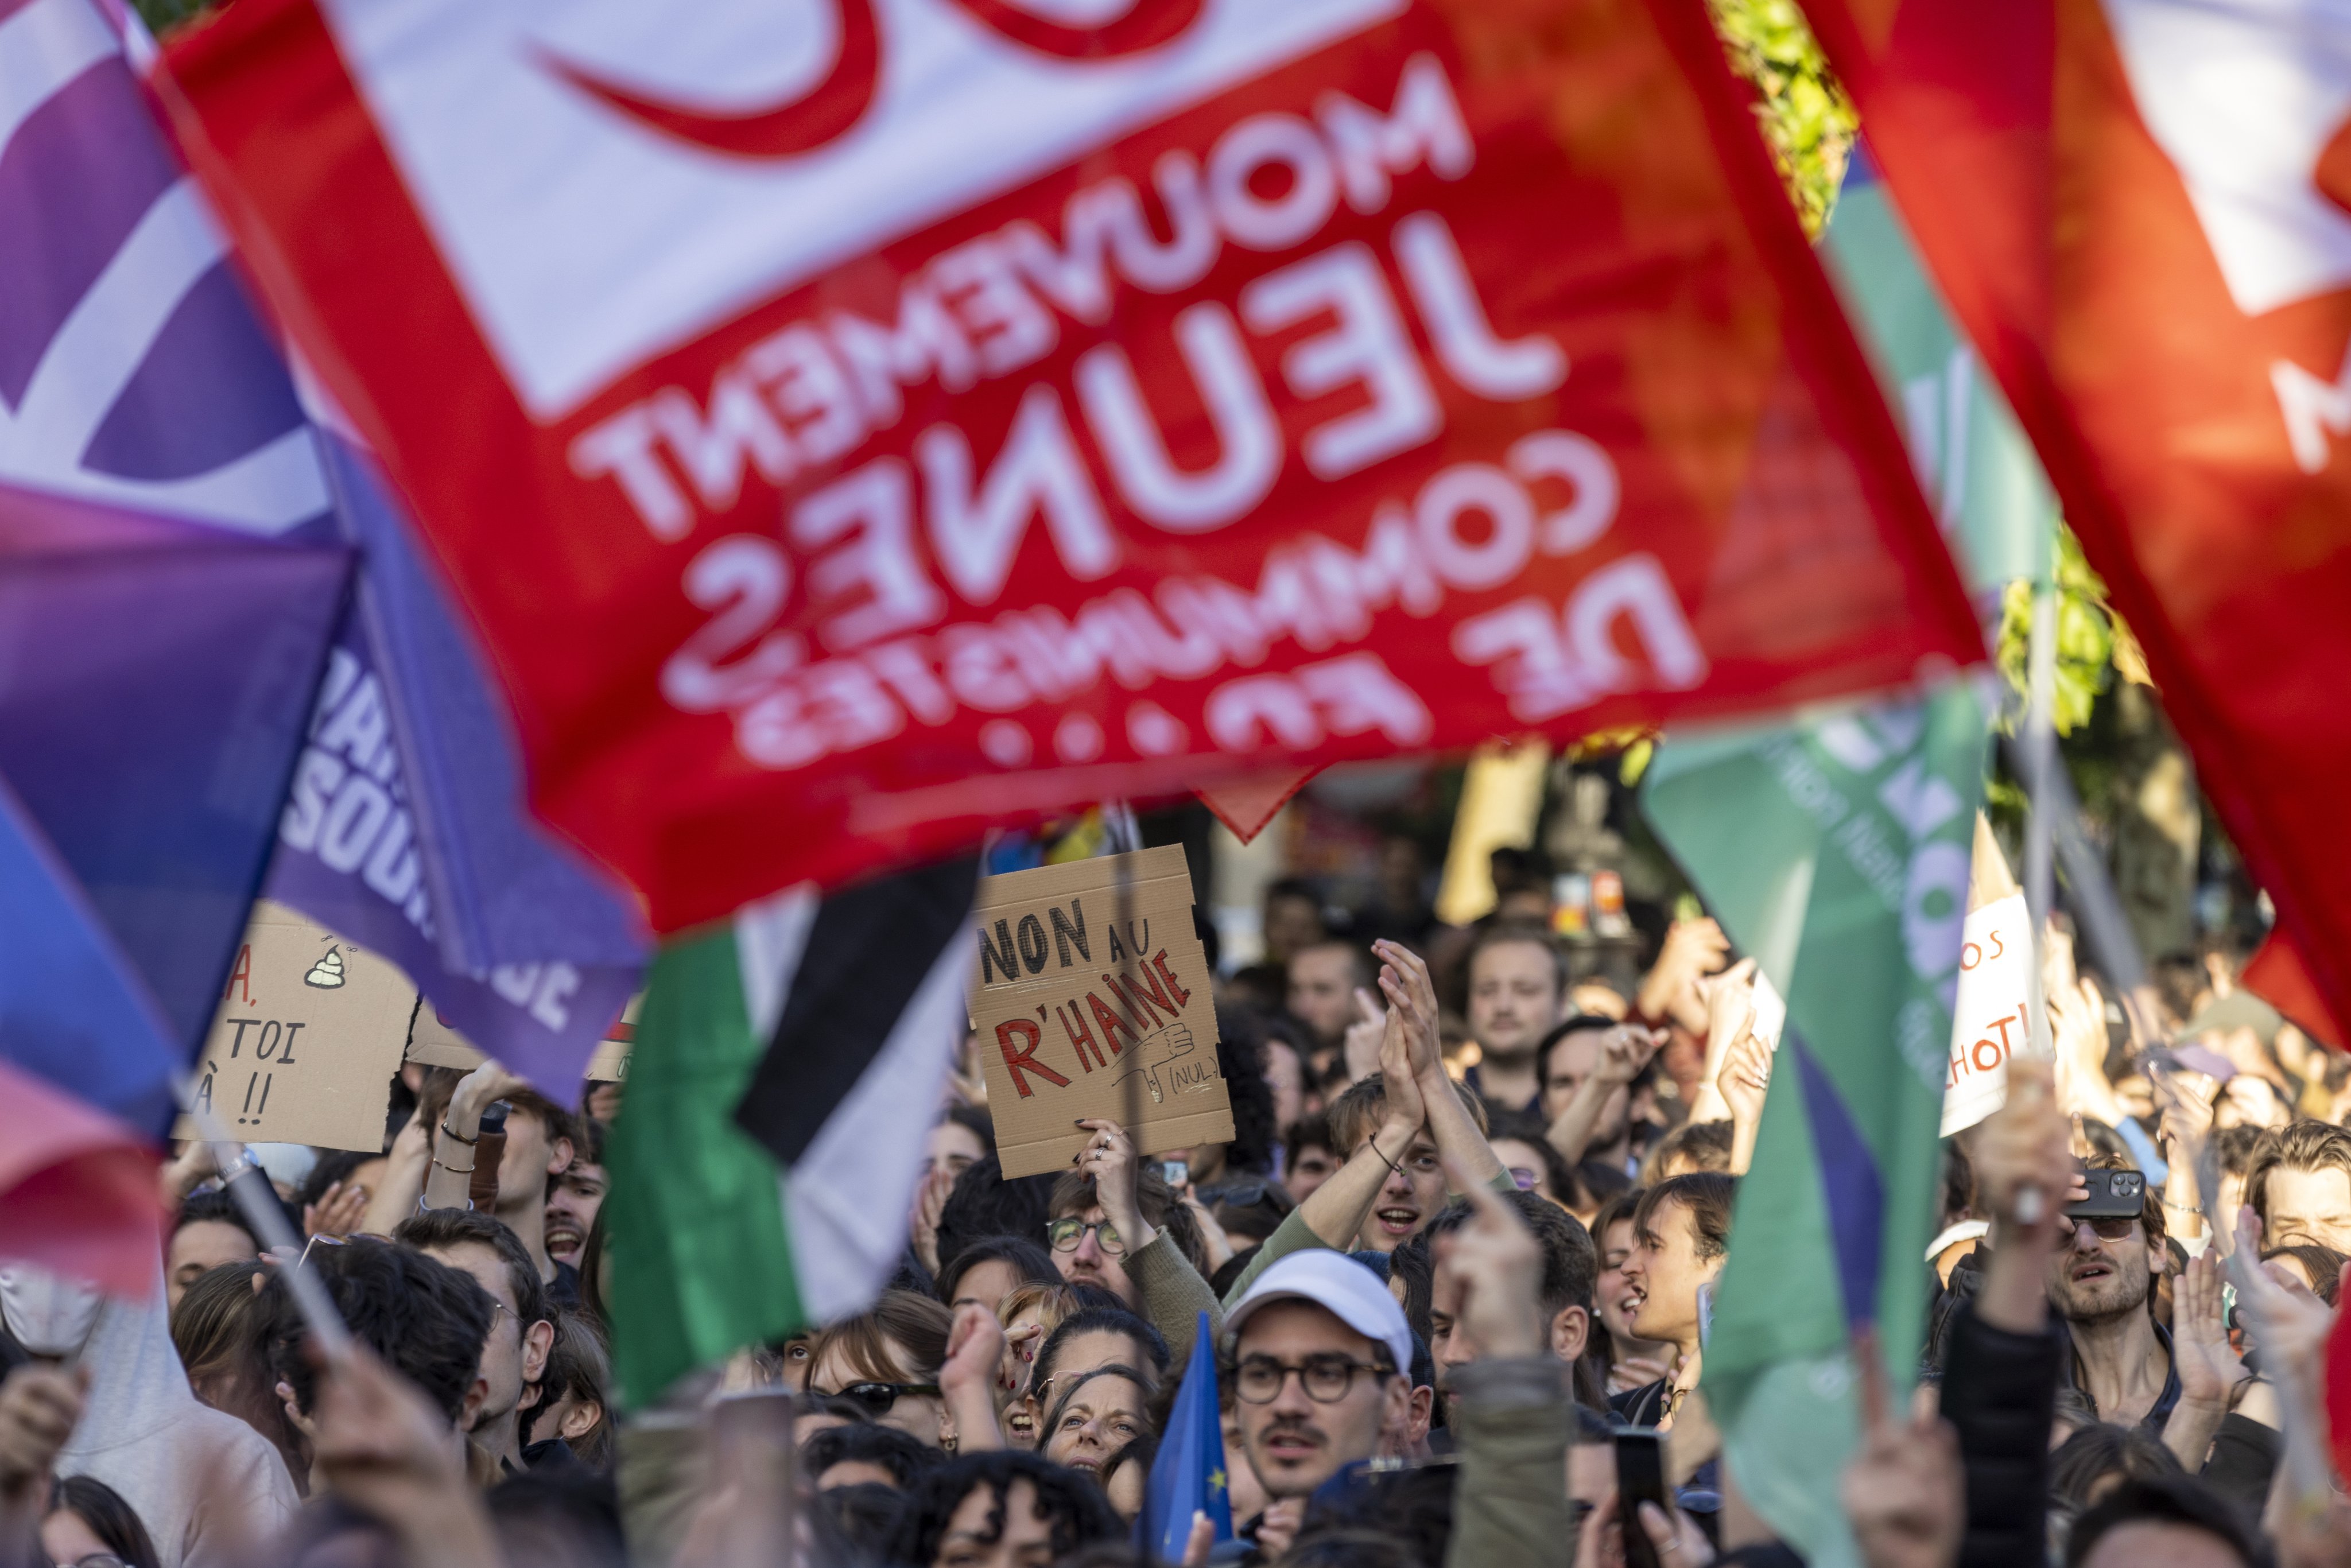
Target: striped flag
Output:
[
  {"x": 787, "y": 1066},
  {"x": 1836, "y": 851}
]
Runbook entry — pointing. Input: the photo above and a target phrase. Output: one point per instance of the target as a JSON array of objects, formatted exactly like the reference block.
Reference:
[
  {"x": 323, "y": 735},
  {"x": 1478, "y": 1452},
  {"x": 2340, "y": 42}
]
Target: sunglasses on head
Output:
[{"x": 879, "y": 1397}]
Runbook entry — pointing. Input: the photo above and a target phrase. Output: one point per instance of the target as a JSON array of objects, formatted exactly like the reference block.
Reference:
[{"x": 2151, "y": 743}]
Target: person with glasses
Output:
[
  {"x": 1115, "y": 1222},
  {"x": 522, "y": 1330},
  {"x": 1316, "y": 1348},
  {"x": 2100, "y": 1278},
  {"x": 912, "y": 1365}
]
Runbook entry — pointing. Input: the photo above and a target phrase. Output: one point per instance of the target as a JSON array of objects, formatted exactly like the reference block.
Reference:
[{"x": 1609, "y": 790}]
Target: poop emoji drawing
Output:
[{"x": 326, "y": 973}]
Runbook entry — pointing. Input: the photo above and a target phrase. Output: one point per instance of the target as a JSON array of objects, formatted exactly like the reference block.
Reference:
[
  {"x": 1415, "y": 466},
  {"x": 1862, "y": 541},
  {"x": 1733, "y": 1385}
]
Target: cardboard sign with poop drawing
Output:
[
  {"x": 1091, "y": 1002},
  {"x": 310, "y": 1033}
]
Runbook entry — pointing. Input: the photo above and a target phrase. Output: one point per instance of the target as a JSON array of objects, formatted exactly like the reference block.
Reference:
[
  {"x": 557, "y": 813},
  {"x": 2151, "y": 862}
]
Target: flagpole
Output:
[
  {"x": 1123, "y": 836},
  {"x": 2039, "y": 754}
]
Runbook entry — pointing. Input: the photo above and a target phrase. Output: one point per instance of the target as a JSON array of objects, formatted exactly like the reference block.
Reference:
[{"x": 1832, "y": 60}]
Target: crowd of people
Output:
[{"x": 1463, "y": 1242}]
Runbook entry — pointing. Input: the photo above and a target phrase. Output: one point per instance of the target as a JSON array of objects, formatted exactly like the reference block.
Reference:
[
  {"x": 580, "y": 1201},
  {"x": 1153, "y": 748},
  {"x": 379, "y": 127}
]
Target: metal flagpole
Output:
[
  {"x": 248, "y": 1185},
  {"x": 2040, "y": 748}
]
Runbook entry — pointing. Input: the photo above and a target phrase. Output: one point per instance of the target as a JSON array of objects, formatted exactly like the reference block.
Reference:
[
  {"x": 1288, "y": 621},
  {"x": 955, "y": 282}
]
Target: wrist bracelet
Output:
[
  {"x": 461, "y": 1138},
  {"x": 454, "y": 1170}
]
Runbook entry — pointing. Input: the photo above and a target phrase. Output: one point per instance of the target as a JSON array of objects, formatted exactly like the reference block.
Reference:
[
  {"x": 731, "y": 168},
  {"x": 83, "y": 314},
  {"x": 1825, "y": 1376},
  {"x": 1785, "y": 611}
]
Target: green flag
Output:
[
  {"x": 787, "y": 1066},
  {"x": 1836, "y": 851},
  {"x": 1978, "y": 470}
]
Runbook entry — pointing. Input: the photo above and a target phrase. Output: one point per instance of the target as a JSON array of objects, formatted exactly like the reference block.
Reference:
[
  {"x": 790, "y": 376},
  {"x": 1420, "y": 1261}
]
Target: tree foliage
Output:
[
  {"x": 1805, "y": 117},
  {"x": 2094, "y": 645}
]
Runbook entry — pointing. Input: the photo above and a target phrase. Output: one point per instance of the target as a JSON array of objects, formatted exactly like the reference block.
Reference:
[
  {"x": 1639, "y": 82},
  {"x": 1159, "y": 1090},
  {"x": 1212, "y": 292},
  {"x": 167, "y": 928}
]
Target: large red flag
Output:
[
  {"x": 2137, "y": 209},
  {"x": 852, "y": 425}
]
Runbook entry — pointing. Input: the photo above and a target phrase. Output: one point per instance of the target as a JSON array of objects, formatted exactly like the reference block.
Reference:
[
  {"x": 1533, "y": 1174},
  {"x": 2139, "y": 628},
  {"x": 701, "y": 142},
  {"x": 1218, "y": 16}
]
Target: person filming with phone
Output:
[{"x": 2109, "y": 1253}]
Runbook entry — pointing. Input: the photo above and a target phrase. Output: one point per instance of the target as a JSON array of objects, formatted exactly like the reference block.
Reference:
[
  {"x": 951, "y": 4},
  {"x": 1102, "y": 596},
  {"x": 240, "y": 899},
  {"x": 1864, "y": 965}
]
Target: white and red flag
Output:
[
  {"x": 2141, "y": 211},
  {"x": 853, "y": 423}
]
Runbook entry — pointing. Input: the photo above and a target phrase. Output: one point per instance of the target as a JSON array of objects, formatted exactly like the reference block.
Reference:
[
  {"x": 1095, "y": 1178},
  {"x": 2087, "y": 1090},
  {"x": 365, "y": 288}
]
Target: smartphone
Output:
[
  {"x": 2113, "y": 1195},
  {"x": 1178, "y": 1172},
  {"x": 1640, "y": 1478}
]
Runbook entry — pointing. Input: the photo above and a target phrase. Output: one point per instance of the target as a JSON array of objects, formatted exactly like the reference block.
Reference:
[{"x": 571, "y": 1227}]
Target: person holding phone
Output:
[{"x": 539, "y": 1140}]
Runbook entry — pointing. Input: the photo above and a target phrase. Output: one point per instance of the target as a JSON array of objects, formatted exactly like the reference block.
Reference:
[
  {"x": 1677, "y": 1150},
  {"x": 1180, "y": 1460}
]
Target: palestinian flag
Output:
[{"x": 787, "y": 1064}]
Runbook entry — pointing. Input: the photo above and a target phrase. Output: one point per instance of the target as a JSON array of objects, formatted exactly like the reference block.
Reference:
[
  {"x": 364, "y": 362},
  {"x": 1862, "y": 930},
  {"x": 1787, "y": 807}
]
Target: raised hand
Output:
[
  {"x": 1673, "y": 1539},
  {"x": 1412, "y": 1004},
  {"x": 930, "y": 1202},
  {"x": 1902, "y": 1489},
  {"x": 2208, "y": 1368},
  {"x": 1746, "y": 1074},
  {"x": 1399, "y": 1083},
  {"x": 967, "y": 1377},
  {"x": 974, "y": 1349},
  {"x": 382, "y": 1448},
  {"x": 1730, "y": 998},
  {"x": 39, "y": 1406},
  {"x": 2023, "y": 1147},
  {"x": 1110, "y": 1159},
  {"x": 1692, "y": 950},
  {"x": 1624, "y": 1051},
  {"x": 337, "y": 1212}
]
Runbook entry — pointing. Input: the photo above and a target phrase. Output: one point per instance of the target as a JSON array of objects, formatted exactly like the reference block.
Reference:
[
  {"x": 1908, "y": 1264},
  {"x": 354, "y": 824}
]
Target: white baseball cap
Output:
[{"x": 1340, "y": 1286}]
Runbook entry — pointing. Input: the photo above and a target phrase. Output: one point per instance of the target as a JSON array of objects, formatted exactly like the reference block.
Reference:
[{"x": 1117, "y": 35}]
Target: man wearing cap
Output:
[{"x": 1317, "y": 1347}]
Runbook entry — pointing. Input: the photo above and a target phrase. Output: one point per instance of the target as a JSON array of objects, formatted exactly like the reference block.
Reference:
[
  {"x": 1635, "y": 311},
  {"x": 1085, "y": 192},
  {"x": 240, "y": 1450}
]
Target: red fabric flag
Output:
[
  {"x": 2138, "y": 210},
  {"x": 848, "y": 434},
  {"x": 77, "y": 1190}
]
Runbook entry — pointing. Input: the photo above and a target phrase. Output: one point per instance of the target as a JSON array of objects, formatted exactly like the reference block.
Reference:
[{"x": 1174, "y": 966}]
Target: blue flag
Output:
[{"x": 1188, "y": 1476}]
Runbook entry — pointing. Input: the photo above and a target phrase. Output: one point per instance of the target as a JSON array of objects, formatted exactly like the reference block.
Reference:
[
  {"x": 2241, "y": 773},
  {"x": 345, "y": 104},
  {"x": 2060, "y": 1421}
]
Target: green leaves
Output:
[
  {"x": 1804, "y": 115},
  {"x": 2092, "y": 644}
]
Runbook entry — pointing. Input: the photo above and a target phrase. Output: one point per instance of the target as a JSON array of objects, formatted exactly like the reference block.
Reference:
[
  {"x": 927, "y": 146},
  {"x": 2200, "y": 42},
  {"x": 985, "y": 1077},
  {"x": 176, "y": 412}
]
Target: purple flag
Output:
[{"x": 134, "y": 374}]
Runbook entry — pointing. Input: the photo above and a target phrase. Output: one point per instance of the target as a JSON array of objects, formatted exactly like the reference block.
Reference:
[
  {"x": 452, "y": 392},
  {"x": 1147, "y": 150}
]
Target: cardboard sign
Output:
[
  {"x": 307, "y": 1040},
  {"x": 1991, "y": 1017},
  {"x": 435, "y": 1042},
  {"x": 1089, "y": 1003}
]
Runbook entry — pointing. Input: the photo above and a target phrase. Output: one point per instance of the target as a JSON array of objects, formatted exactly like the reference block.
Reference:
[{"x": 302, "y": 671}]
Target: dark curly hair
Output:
[
  {"x": 983, "y": 1203},
  {"x": 426, "y": 1320},
  {"x": 1240, "y": 1058},
  {"x": 1068, "y": 1500}
]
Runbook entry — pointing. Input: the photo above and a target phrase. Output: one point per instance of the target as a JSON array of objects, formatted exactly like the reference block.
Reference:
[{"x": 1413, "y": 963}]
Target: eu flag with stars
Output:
[{"x": 1188, "y": 1476}]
